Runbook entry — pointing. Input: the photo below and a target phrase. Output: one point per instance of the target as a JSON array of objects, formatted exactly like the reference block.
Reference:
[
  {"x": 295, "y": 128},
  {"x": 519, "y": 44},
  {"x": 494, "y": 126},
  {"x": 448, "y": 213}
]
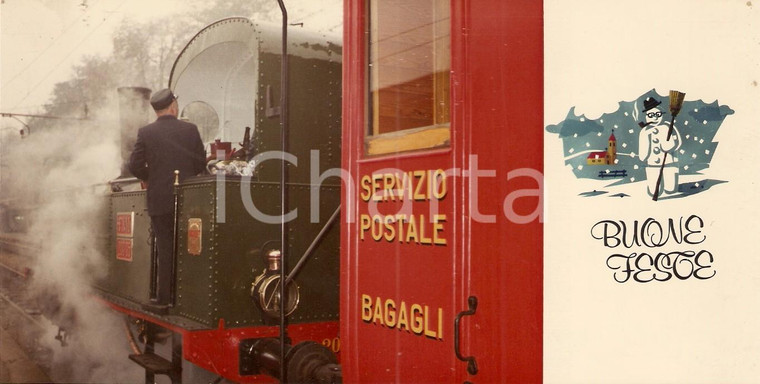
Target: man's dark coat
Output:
[{"x": 163, "y": 146}]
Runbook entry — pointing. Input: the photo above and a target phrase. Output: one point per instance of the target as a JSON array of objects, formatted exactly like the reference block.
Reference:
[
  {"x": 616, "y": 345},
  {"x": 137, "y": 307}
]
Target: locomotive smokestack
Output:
[{"x": 134, "y": 112}]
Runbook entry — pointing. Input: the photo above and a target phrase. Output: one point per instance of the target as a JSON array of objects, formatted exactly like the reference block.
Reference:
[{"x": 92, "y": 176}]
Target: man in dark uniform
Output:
[{"x": 166, "y": 145}]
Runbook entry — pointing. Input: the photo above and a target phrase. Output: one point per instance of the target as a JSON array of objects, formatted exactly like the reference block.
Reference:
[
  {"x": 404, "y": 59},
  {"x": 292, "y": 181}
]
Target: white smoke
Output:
[{"x": 65, "y": 170}]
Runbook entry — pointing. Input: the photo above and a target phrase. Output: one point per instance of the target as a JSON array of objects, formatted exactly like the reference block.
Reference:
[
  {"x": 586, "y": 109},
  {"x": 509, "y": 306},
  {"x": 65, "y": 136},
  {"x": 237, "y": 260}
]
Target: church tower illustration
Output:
[
  {"x": 612, "y": 148},
  {"x": 604, "y": 157}
]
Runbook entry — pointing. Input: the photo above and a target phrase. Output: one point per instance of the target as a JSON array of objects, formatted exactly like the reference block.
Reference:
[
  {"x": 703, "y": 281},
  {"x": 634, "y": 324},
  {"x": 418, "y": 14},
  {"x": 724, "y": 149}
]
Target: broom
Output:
[{"x": 676, "y": 102}]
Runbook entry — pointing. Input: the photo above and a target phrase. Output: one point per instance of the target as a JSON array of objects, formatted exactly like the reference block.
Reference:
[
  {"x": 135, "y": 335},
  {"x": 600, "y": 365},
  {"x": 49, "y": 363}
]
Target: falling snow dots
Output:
[{"x": 693, "y": 146}]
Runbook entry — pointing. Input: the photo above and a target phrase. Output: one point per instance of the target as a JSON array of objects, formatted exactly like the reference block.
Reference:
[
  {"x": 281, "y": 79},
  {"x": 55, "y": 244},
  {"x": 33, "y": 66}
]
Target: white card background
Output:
[{"x": 598, "y": 53}]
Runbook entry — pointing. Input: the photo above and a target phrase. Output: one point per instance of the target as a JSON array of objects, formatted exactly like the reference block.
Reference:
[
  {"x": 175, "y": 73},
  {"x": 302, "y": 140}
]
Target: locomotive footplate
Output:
[{"x": 176, "y": 323}]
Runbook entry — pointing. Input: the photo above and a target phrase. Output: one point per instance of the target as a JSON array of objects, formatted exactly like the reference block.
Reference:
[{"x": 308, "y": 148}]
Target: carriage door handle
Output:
[{"x": 472, "y": 366}]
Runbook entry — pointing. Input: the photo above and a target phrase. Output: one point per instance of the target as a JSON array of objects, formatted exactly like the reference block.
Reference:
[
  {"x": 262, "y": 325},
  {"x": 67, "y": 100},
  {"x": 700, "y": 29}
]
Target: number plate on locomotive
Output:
[
  {"x": 125, "y": 225},
  {"x": 194, "y": 230}
]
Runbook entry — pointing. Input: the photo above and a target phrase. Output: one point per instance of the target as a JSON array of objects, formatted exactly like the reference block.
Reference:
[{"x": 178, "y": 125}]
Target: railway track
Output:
[
  {"x": 16, "y": 254},
  {"x": 33, "y": 322},
  {"x": 22, "y": 318},
  {"x": 16, "y": 260}
]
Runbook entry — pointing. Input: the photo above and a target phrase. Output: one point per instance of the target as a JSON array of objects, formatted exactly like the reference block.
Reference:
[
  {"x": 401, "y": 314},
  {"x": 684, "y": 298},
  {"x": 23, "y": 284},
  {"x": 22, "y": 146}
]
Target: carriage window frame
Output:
[{"x": 422, "y": 50}]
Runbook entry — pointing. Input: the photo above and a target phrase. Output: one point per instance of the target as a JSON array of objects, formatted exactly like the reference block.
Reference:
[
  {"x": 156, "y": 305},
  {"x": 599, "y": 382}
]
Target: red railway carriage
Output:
[{"x": 441, "y": 243}]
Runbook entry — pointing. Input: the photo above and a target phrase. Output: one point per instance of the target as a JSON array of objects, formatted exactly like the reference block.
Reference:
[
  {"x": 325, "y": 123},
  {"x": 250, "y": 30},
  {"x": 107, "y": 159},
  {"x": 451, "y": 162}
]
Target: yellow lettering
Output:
[
  {"x": 400, "y": 219},
  {"x": 390, "y": 313},
  {"x": 411, "y": 231},
  {"x": 423, "y": 224},
  {"x": 378, "y": 318},
  {"x": 400, "y": 185},
  {"x": 366, "y": 308},
  {"x": 403, "y": 322},
  {"x": 409, "y": 181},
  {"x": 404, "y": 229},
  {"x": 375, "y": 186},
  {"x": 428, "y": 332},
  {"x": 366, "y": 191},
  {"x": 419, "y": 194},
  {"x": 419, "y": 185},
  {"x": 415, "y": 185},
  {"x": 437, "y": 228},
  {"x": 389, "y": 182},
  {"x": 377, "y": 227},
  {"x": 417, "y": 319},
  {"x": 390, "y": 233},
  {"x": 440, "y": 323},
  {"x": 429, "y": 185},
  {"x": 414, "y": 319},
  {"x": 439, "y": 186},
  {"x": 364, "y": 225}
]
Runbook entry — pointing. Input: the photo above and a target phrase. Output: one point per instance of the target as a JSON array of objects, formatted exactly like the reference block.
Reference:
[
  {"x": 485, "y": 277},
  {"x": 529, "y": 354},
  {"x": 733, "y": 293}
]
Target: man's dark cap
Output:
[
  {"x": 162, "y": 99},
  {"x": 650, "y": 103}
]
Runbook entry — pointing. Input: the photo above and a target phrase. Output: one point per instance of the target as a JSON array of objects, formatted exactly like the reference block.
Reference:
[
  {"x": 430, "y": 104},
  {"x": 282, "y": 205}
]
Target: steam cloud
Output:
[{"x": 62, "y": 173}]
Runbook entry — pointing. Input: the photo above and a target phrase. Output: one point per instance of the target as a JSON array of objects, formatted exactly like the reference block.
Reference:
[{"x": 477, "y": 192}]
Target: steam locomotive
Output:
[
  {"x": 391, "y": 235},
  {"x": 228, "y": 253}
]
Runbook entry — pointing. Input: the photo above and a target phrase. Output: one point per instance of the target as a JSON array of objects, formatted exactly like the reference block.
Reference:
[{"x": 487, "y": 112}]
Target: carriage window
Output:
[{"x": 409, "y": 64}]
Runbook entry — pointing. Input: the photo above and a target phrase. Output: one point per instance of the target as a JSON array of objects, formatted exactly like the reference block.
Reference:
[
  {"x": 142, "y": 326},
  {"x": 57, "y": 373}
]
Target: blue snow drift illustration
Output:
[{"x": 608, "y": 148}]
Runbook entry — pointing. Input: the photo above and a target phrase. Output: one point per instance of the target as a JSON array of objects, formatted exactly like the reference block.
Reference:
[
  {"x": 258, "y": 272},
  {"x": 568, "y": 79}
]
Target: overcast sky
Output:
[{"x": 40, "y": 40}]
